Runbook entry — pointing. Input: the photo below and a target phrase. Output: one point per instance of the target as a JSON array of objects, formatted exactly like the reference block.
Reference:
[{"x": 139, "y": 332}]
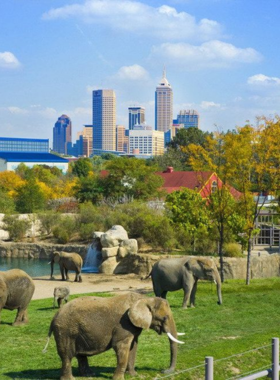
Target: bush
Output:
[
  {"x": 232, "y": 250},
  {"x": 48, "y": 221},
  {"x": 61, "y": 235},
  {"x": 16, "y": 227},
  {"x": 86, "y": 231},
  {"x": 7, "y": 205}
]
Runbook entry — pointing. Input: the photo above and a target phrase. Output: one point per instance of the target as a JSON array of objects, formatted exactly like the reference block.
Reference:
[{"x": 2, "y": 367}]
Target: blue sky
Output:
[{"x": 222, "y": 58}]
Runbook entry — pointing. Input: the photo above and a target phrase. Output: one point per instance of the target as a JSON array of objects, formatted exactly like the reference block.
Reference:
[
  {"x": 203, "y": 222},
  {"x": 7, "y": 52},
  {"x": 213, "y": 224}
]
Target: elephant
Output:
[
  {"x": 67, "y": 261},
  {"x": 90, "y": 325},
  {"x": 172, "y": 274},
  {"x": 60, "y": 293},
  {"x": 16, "y": 291}
]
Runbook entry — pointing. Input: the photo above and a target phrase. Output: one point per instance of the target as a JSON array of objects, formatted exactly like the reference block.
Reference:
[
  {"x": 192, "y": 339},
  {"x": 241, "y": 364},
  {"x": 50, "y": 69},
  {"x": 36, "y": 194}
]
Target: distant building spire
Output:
[{"x": 164, "y": 72}]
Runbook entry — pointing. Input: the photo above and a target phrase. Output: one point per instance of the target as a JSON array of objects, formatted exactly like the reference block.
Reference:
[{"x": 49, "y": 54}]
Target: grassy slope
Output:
[{"x": 248, "y": 319}]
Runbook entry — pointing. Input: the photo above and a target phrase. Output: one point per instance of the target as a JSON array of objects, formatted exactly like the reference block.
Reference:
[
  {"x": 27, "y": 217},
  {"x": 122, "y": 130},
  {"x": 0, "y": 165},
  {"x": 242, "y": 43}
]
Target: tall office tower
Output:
[
  {"x": 104, "y": 119},
  {"x": 86, "y": 134},
  {"x": 190, "y": 118},
  {"x": 121, "y": 139},
  {"x": 62, "y": 134},
  {"x": 136, "y": 115},
  {"x": 163, "y": 105}
]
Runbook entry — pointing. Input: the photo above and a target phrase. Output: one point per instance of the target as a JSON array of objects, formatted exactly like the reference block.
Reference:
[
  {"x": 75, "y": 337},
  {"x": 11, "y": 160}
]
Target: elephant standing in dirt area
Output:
[
  {"x": 88, "y": 326},
  {"x": 16, "y": 291},
  {"x": 60, "y": 293},
  {"x": 67, "y": 261},
  {"x": 183, "y": 273}
]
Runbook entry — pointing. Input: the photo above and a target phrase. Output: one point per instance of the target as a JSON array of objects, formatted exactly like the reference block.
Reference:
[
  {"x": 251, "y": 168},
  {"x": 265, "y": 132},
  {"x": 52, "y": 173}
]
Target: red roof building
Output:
[{"x": 204, "y": 182}]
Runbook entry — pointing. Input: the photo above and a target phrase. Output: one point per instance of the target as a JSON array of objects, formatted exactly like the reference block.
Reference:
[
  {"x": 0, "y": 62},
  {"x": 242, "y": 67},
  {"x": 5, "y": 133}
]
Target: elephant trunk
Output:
[
  {"x": 173, "y": 346},
  {"x": 219, "y": 289}
]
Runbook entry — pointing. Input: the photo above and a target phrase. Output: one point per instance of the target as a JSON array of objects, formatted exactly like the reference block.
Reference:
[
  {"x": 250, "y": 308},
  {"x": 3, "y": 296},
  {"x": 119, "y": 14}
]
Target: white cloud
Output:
[
  {"x": 136, "y": 17},
  {"x": 209, "y": 105},
  {"x": 134, "y": 72},
  {"x": 17, "y": 110},
  {"x": 8, "y": 60},
  {"x": 263, "y": 80},
  {"x": 209, "y": 54}
]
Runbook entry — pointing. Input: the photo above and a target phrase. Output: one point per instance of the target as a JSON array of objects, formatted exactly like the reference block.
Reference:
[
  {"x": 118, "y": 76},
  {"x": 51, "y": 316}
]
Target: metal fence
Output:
[{"x": 272, "y": 372}]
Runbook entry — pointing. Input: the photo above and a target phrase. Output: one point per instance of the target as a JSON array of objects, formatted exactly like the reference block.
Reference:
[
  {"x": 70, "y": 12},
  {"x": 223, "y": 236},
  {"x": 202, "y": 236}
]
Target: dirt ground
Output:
[{"x": 92, "y": 283}]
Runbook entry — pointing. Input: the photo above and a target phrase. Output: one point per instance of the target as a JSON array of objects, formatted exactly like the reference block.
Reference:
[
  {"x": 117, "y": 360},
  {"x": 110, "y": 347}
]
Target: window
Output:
[{"x": 214, "y": 187}]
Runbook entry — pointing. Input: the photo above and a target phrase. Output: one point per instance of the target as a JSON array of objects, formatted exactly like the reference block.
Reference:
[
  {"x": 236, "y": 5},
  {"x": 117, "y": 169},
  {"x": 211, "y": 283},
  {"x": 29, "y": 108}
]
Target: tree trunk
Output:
[
  {"x": 249, "y": 248},
  {"x": 221, "y": 245}
]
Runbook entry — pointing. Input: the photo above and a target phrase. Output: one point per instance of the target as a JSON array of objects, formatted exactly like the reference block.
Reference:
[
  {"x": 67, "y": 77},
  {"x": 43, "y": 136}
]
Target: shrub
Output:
[
  {"x": 16, "y": 227},
  {"x": 48, "y": 221},
  {"x": 232, "y": 250},
  {"x": 61, "y": 235},
  {"x": 86, "y": 231},
  {"x": 7, "y": 204}
]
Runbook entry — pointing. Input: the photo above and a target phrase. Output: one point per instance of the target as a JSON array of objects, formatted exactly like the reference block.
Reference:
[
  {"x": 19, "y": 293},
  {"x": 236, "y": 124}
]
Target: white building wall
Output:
[
  {"x": 13, "y": 165},
  {"x": 147, "y": 142}
]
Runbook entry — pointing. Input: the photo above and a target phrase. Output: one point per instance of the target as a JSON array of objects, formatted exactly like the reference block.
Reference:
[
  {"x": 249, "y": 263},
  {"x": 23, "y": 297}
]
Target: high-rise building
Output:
[
  {"x": 121, "y": 139},
  {"x": 86, "y": 134},
  {"x": 62, "y": 134},
  {"x": 190, "y": 118},
  {"x": 136, "y": 115},
  {"x": 163, "y": 105},
  {"x": 104, "y": 119},
  {"x": 146, "y": 141}
]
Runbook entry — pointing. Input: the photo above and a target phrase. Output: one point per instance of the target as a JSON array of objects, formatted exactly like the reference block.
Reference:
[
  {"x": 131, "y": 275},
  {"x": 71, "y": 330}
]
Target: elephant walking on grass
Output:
[
  {"x": 16, "y": 291},
  {"x": 67, "y": 261},
  {"x": 183, "y": 273},
  {"x": 88, "y": 326}
]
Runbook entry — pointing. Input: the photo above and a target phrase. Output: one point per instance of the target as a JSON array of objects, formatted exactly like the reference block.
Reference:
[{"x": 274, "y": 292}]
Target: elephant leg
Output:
[
  {"x": 66, "y": 370},
  {"x": 193, "y": 292},
  {"x": 21, "y": 317},
  {"x": 84, "y": 368},
  {"x": 131, "y": 358},
  {"x": 59, "y": 302},
  {"x": 187, "y": 293},
  {"x": 122, "y": 349},
  {"x": 80, "y": 277},
  {"x": 62, "y": 273},
  {"x": 66, "y": 274},
  {"x": 163, "y": 294}
]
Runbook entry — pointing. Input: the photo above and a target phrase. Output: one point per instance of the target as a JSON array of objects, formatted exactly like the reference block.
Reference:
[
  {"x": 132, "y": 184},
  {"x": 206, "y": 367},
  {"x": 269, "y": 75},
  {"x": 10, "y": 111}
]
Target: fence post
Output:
[
  {"x": 209, "y": 368},
  {"x": 275, "y": 359}
]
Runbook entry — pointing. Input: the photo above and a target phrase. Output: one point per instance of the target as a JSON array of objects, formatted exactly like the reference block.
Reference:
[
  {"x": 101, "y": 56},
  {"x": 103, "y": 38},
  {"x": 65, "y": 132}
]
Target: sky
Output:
[{"x": 221, "y": 57}]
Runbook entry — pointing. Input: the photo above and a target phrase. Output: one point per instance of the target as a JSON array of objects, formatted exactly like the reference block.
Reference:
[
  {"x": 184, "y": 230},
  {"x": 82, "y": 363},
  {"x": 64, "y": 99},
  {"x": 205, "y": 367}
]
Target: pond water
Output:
[{"x": 34, "y": 267}]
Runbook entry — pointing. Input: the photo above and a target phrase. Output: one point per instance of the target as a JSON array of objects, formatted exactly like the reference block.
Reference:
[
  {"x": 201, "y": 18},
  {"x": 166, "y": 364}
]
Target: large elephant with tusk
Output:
[
  {"x": 89, "y": 325},
  {"x": 172, "y": 274}
]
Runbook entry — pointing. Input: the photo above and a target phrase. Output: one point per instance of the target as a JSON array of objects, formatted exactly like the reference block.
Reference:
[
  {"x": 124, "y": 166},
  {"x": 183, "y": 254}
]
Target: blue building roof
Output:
[{"x": 31, "y": 157}]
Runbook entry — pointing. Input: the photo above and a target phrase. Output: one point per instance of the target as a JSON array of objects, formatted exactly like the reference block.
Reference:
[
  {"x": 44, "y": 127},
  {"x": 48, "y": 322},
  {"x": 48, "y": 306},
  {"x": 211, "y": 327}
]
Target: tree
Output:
[
  {"x": 10, "y": 182},
  {"x": 30, "y": 198},
  {"x": 131, "y": 178},
  {"x": 7, "y": 205},
  {"x": 82, "y": 167},
  {"x": 188, "y": 210},
  {"x": 186, "y": 136},
  {"x": 89, "y": 189}
]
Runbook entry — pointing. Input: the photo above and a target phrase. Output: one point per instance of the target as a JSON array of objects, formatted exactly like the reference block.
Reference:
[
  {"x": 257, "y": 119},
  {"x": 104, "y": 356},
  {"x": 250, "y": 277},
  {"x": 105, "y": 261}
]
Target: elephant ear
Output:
[
  {"x": 194, "y": 265},
  {"x": 56, "y": 257},
  {"x": 140, "y": 315}
]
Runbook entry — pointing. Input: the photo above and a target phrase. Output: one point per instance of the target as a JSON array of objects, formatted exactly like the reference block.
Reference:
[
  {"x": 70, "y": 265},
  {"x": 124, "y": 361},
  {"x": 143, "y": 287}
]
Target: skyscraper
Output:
[
  {"x": 104, "y": 119},
  {"x": 190, "y": 118},
  {"x": 136, "y": 115},
  {"x": 62, "y": 134},
  {"x": 163, "y": 105}
]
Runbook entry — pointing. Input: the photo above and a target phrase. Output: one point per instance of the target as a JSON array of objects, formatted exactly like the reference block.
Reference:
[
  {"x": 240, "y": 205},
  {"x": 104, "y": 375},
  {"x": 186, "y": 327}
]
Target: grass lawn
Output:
[{"x": 248, "y": 319}]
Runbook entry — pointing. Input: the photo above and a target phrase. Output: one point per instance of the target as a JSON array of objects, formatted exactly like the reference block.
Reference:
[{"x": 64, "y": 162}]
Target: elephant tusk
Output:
[
  {"x": 170, "y": 336},
  {"x": 181, "y": 333},
  {"x": 215, "y": 282},
  {"x": 50, "y": 262}
]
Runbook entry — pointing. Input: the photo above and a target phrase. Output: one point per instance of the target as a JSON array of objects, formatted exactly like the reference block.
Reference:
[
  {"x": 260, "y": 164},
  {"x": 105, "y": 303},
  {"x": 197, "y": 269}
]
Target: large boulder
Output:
[
  {"x": 108, "y": 266},
  {"x": 128, "y": 247},
  {"x": 109, "y": 252},
  {"x": 113, "y": 237}
]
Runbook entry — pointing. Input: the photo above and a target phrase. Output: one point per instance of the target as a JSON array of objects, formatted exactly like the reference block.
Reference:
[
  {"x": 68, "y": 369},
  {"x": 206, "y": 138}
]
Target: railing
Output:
[{"x": 272, "y": 372}]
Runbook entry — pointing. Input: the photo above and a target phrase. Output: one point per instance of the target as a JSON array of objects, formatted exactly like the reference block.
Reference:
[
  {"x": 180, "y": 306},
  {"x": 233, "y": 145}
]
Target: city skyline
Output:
[{"x": 219, "y": 55}]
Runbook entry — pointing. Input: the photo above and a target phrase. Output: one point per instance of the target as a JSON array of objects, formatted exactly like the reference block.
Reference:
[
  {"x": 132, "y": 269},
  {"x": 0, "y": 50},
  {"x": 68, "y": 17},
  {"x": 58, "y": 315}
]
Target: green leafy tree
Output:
[
  {"x": 186, "y": 136},
  {"x": 89, "y": 189},
  {"x": 131, "y": 177},
  {"x": 188, "y": 210},
  {"x": 30, "y": 198},
  {"x": 82, "y": 167},
  {"x": 7, "y": 204}
]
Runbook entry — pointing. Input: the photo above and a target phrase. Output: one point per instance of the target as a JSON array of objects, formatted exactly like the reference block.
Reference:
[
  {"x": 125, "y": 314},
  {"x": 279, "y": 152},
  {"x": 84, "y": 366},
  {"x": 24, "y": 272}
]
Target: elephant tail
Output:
[{"x": 48, "y": 339}]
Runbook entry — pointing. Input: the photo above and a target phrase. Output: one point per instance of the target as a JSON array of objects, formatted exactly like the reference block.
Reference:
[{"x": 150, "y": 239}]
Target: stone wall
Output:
[
  {"x": 42, "y": 251},
  {"x": 141, "y": 264}
]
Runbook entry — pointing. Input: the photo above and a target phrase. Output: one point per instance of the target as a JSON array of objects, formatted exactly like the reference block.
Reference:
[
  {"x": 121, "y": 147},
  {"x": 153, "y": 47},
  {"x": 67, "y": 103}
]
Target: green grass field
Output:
[{"x": 247, "y": 321}]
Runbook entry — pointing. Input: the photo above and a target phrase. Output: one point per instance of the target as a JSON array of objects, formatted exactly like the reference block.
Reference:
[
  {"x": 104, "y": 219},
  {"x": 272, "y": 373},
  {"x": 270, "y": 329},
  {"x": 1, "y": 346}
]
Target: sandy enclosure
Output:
[{"x": 92, "y": 283}]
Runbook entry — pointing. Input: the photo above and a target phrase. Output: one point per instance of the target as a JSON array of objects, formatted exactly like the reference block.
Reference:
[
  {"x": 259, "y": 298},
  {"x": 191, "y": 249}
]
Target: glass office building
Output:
[
  {"x": 10, "y": 144},
  {"x": 190, "y": 118}
]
